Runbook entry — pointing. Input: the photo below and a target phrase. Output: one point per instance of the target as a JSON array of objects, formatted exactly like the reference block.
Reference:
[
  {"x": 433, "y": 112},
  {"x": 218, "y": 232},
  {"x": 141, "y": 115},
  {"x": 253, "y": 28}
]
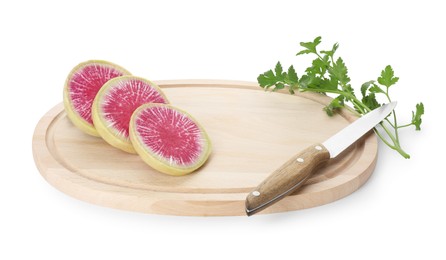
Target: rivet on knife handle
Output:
[{"x": 288, "y": 178}]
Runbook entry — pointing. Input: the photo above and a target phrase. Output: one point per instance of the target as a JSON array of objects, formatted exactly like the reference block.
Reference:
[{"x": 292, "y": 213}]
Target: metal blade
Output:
[{"x": 347, "y": 136}]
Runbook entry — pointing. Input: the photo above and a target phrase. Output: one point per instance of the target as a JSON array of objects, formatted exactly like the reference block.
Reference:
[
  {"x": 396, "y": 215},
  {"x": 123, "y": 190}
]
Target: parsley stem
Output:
[
  {"x": 406, "y": 125},
  {"x": 391, "y": 136},
  {"x": 396, "y": 144},
  {"x": 382, "y": 138},
  {"x": 395, "y": 124},
  {"x": 389, "y": 122}
]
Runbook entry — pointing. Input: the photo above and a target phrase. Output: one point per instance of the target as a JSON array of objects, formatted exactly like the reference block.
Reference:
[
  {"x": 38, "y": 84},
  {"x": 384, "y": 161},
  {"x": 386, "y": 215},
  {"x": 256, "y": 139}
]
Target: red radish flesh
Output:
[
  {"x": 169, "y": 139},
  {"x": 115, "y": 103},
  {"x": 170, "y": 135},
  {"x": 123, "y": 98},
  {"x": 81, "y": 87},
  {"x": 85, "y": 84}
]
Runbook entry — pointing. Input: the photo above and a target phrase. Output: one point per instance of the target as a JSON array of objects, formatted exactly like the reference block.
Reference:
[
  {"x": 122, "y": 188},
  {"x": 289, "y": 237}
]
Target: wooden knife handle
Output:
[{"x": 288, "y": 178}]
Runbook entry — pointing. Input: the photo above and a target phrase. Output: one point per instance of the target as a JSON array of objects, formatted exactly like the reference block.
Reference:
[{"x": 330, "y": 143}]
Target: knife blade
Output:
[{"x": 293, "y": 173}]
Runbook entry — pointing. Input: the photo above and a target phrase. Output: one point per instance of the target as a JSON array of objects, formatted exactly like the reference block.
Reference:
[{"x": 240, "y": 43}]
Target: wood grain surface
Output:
[{"x": 253, "y": 133}]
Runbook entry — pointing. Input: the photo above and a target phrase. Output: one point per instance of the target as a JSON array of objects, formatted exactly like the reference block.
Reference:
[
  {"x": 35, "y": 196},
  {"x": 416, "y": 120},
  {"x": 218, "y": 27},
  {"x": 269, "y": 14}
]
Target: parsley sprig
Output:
[{"x": 329, "y": 75}]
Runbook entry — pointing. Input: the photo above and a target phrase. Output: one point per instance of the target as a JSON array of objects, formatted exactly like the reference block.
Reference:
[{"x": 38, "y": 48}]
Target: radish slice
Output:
[
  {"x": 114, "y": 105},
  {"x": 81, "y": 87},
  {"x": 169, "y": 139}
]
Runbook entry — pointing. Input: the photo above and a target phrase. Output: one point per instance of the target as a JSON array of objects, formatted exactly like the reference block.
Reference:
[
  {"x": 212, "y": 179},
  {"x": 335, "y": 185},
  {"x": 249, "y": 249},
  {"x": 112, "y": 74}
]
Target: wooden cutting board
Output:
[{"x": 252, "y": 131}]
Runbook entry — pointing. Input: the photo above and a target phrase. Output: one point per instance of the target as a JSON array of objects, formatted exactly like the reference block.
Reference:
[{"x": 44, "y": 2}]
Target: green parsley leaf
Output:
[
  {"x": 319, "y": 67},
  {"x": 416, "y": 116},
  {"x": 292, "y": 75},
  {"x": 365, "y": 86},
  {"x": 310, "y": 82},
  {"x": 304, "y": 52},
  {"x": 310, "y": 47},
  {"x": 370, "y": 101},
  {"x": 304, "y": 82},
  {"x": 279, "y": 71},
  {"x": 336, "y": 104},
  {"x": 329, "y": 84},
  {"x": 279, "y": 86},
  {"x": 332, "y": 51},
  {"x": 267, "y": 79},
  {"x": 376, "y": 89},
  {"x": 387, "y": 77},
  {"x": 339, "y": 71}
]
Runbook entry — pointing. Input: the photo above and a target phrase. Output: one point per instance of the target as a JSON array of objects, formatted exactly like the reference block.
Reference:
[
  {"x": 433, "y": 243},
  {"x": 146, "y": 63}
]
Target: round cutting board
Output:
[{"x": 252, "y": 132}]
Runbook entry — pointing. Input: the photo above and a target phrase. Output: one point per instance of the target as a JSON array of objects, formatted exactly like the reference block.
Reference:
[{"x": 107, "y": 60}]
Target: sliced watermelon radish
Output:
[
  {"x": 114, "y": 105},
  {"x": 81, "y": 87},
  {"x": 169, "y": 139}
]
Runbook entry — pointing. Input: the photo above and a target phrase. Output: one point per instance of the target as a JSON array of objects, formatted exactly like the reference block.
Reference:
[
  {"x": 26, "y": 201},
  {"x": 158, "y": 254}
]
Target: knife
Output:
[{"x": 293, "y": 174}]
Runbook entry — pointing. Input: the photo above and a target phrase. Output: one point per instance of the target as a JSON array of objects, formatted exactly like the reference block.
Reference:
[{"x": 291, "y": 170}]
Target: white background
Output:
[{"x": 398, "y": 213}]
